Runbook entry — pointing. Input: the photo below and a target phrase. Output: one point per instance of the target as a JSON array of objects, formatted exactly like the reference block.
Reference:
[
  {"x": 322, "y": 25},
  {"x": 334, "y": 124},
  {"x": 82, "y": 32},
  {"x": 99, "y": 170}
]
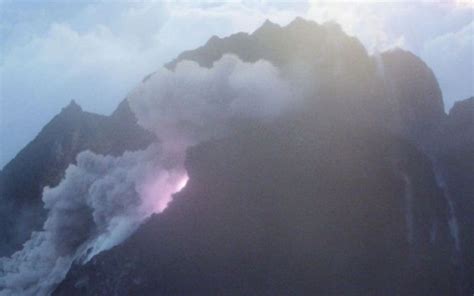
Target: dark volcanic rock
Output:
[
  {"x": 43, "y": 162},
  {"x": 298, "y": 210},
  {"x": 455, "y": 161},
  {"x": 415, "y": 96}
]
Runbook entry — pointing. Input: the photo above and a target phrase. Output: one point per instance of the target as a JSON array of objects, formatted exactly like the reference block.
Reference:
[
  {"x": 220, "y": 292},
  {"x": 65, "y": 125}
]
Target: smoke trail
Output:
[
  {"x": 103, "y": 199},
  {"x": 100, "y": 202}
]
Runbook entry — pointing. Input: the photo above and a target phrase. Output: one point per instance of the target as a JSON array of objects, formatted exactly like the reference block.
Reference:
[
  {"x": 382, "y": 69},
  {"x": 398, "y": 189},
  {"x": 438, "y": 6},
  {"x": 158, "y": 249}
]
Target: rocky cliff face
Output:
[{"x": 43, "y": 162}]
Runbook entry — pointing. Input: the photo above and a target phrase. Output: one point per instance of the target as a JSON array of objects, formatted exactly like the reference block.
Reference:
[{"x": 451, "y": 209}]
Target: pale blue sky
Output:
[{"x": 96, "y": 52}]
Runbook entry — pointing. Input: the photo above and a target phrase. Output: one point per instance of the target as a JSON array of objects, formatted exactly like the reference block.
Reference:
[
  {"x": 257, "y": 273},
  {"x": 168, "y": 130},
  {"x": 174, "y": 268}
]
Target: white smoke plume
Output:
[
  {"x": 103, "y": 199},
  {"x": 192, "y": 103},
  {"x": 100, "y": 202}
]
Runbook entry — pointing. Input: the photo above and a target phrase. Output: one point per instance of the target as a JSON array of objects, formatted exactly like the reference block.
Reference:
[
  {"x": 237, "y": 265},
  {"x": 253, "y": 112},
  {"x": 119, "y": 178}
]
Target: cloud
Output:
[
  {"x": 454, "y": 50},
  {"x": 464, "y": 3},
  {"x": 196, "y": 103}
]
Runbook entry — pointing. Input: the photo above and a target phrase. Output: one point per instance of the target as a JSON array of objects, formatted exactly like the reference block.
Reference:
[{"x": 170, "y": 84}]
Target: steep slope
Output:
[
  {"x": 43, "y": 162},
  {"x": 455, "y": 162},
  {"x": 288, "y": 210},
  {"x": 415, "y": 96}
]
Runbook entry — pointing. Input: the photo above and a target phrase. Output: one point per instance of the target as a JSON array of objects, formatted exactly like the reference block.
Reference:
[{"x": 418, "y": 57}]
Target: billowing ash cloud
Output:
[
  {"x": 192, "y": 103},
  {"x": 100, "y": 202},
  {"x": 103, "y": 199}
]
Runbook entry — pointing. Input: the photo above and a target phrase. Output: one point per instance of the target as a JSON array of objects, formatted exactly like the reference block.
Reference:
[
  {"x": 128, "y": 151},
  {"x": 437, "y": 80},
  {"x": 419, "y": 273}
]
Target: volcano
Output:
[{"x": 360, "y": 185}]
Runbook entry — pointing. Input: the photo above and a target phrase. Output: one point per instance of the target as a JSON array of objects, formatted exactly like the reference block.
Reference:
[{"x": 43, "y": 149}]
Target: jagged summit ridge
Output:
[
  {"x": 250, "y": 47},
  {"x": 394, "y": 88},
  {"x": 267, "y": 27},
  {"x": 463, "y": 110},
  {"x": 72, "y": 107}
]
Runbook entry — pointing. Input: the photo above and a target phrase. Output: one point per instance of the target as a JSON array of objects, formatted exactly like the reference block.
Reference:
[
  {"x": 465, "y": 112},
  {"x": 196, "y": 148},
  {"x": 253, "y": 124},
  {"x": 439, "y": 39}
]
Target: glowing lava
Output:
[
  {"x": 182, "y": 183},
  {"x": 158, "y": 193}
]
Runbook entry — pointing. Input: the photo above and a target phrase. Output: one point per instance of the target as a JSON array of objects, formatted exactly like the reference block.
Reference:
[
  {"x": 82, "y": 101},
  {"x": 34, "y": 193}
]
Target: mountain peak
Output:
[
  {"x": 463, "y": 111},
  {"x": 213, "y": 39},
  {"x": 300, "y": 22},
  {"x": 72, "y": 107},
  {"x": 267, "y": 26},
  {"x": 123, "y": 113}
]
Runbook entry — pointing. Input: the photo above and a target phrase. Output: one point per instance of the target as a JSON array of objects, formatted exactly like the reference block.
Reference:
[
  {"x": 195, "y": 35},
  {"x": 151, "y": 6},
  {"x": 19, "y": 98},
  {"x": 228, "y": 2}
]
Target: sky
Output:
[{"x": 96, "y": 52}]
